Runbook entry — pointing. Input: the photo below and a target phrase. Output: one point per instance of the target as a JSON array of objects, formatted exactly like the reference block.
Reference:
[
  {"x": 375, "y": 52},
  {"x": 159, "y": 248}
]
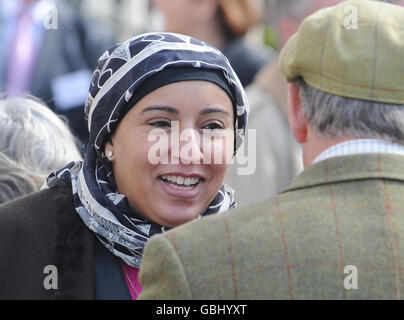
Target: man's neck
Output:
[{"x": 317, "y": 145}]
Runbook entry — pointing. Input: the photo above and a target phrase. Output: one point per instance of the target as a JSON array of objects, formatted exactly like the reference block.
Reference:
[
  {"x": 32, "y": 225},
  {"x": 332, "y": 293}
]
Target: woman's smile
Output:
[{"x": 183, "y": 187}]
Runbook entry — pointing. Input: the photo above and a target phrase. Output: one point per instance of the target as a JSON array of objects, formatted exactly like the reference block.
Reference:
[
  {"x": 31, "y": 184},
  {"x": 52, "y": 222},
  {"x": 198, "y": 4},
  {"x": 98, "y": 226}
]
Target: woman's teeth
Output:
[{"x": 179, "y": 182}]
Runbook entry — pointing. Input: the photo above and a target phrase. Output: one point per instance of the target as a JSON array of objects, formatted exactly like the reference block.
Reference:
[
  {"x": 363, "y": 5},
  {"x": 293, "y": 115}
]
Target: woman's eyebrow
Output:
[
  {"x": 161, "y": 108},
  {"x": 213, "y": 110}
]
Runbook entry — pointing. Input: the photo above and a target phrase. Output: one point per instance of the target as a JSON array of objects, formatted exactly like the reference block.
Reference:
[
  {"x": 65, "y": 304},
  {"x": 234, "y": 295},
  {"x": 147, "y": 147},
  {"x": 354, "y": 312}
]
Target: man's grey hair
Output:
[
  {"x": 335, "y": 116},
  {"x": 14, "y": 180},
  {"x": 34, "y": 140}
]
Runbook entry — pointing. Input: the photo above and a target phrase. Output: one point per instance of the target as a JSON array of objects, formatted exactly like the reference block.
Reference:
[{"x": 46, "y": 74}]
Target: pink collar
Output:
[{"x": 131, "y": 276}]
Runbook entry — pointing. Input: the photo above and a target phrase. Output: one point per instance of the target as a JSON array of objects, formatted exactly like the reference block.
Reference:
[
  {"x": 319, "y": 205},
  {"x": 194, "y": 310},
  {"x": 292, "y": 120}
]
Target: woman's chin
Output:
[
  {"x": 176, "y": 206},
  {"x": 175, "y": 215}
]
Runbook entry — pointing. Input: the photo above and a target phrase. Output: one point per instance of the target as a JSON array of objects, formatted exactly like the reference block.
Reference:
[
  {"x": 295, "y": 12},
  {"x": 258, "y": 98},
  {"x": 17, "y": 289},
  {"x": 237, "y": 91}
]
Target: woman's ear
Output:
[
  {"x": 109, "y": 150},
  {"x": 297, "y": 120}
]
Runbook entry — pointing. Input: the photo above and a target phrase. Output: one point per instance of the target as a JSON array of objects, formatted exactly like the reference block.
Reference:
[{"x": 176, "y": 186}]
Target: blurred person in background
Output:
[
  {"x": 278, "y": 155},
  {"x": 222, "y": 23},
  {"x": 34, "y": 142},
  {"x": 285, "y": 17},
  {"x": 47, "y": 49},
  {"x": 14, "y": 180},
  {"x": 125, "y": 17}
]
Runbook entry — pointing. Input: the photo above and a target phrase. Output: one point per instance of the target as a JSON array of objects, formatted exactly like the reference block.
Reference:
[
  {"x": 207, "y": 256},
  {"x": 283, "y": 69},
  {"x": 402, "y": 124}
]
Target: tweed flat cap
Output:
[{"x": 354, "y": 49}]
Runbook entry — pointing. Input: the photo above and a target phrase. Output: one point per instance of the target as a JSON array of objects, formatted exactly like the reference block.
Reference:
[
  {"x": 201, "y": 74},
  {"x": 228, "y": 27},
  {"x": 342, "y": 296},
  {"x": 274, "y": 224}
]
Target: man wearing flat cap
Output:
[{"x": 337, "y": 232}]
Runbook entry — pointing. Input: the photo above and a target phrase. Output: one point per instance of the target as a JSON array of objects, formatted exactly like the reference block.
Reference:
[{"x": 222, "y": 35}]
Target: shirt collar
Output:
[{"x": 360, "y": 146}]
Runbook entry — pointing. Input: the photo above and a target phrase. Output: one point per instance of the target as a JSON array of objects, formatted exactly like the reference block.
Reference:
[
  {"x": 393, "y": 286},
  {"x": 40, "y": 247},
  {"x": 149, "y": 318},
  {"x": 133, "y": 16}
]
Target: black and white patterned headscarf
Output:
[{"x": 118, "y": 78}]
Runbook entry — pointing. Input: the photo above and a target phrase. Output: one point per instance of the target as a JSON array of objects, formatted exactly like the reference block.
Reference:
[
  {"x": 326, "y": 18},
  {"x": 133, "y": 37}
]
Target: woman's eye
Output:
[
  {"x": 160, "y": 123},
  {"x": 213, "y": 126}
]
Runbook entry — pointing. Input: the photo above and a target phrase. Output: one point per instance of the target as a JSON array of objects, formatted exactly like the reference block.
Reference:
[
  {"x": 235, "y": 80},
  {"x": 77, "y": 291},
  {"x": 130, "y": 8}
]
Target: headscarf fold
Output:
[{"x": 120, "y": 72}]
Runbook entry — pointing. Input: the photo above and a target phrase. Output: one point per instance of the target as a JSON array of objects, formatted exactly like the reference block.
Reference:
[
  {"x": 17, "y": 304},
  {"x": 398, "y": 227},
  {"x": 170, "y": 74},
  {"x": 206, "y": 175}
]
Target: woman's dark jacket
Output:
[{"x": 43, "y": 229}]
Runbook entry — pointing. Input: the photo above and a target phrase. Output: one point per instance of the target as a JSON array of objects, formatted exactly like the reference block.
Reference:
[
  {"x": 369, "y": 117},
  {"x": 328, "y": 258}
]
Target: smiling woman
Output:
[
  {"x": 164, "y": 192},
  {"x": 95, "y": 216}
]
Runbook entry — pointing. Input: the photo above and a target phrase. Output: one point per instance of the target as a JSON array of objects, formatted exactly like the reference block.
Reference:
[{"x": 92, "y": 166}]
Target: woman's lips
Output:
[{"x": 181, "y": 191}]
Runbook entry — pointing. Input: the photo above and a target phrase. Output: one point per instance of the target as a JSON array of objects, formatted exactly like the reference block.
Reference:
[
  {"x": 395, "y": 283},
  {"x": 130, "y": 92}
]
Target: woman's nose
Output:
[{"x": 190, "y": 147}]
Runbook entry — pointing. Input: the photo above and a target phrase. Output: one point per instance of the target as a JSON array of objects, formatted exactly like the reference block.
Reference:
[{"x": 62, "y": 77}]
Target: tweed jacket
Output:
[{"x": 344, "y": 211}]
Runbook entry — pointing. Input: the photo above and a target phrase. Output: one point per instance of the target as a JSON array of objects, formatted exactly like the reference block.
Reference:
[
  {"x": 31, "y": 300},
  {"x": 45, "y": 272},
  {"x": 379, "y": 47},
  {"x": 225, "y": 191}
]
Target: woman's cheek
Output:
[
  {"x": 218, "y": 149},
  {"x": 157, "y": 146}
]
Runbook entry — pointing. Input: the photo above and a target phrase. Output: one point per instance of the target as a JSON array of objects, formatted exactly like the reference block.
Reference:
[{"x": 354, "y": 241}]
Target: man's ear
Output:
[{"x": 297, "y": 120}]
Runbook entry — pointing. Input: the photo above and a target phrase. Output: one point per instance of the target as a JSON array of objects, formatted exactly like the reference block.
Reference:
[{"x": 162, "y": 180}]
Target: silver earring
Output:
[{"x": 109, "y": 154}]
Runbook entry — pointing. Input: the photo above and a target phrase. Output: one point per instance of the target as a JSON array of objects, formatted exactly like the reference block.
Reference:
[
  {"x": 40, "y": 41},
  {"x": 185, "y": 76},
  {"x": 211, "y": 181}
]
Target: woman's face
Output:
[{"x": 174, "y": 125}]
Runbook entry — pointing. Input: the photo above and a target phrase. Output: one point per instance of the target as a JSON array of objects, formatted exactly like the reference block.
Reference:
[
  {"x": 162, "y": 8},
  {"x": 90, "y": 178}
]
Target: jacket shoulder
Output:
[
  {"x": 40, "y": 230},
  {"x": 31, "y": 211},
  {"x": 191, "y": 258},
  {"x": 218, "y": 225}
]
